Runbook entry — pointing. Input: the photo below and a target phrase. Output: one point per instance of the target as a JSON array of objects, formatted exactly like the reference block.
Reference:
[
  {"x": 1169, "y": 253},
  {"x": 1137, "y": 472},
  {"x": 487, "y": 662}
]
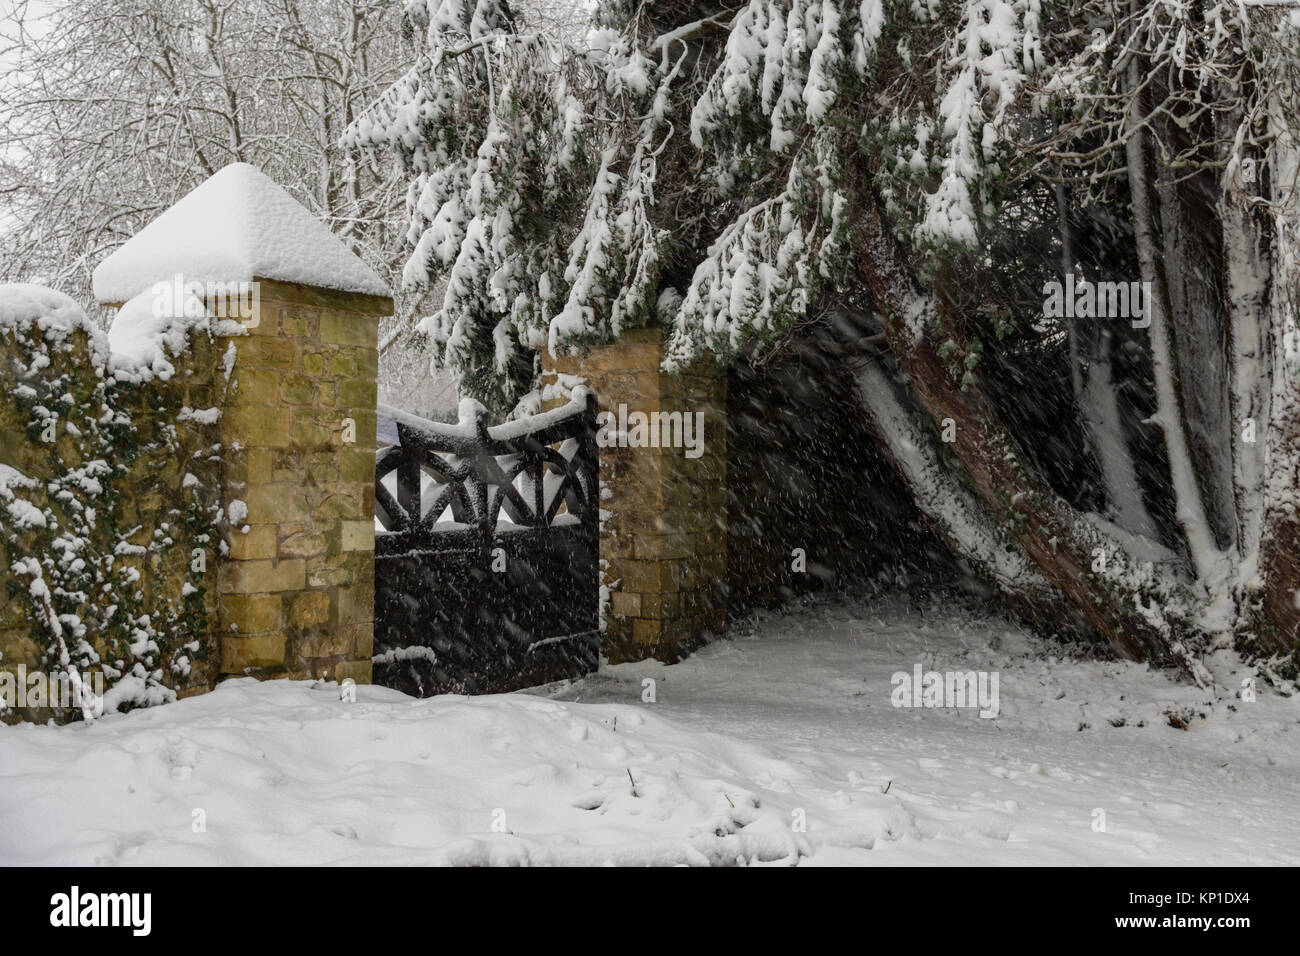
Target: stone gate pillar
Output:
[
  {"x": 297, "y": 586},
  {"x": 293, "y": 386},
  {"x": 663, "y": 541}
]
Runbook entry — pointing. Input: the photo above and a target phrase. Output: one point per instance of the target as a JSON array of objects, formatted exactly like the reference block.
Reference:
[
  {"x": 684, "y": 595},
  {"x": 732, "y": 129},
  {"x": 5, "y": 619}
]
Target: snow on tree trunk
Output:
[
  {"x": 1099, "y": 406},
  {"x": 1248, "y": 265},
  {"x": 1206, "y": 557},
  {"x": 941, "y": 497}
]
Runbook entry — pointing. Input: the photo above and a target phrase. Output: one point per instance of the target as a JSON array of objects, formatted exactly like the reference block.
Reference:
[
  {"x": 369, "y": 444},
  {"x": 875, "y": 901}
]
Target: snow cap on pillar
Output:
[{"x": 237, "y": 225}]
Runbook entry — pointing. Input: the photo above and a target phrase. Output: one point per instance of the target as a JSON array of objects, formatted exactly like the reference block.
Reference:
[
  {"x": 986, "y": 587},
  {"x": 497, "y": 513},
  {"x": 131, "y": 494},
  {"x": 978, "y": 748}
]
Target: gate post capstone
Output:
[
  {"x": 295, "y": 390},
  {"x": 663, "y": 537}
]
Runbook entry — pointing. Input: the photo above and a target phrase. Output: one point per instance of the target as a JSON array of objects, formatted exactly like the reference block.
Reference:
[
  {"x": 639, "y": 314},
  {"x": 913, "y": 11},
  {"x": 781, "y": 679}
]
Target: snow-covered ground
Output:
[{"x": 743, "y": 741}]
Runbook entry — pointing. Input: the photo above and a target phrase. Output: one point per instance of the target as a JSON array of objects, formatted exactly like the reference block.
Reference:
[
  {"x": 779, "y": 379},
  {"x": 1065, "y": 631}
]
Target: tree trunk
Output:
[
  {"x": 1279, "y": 562},
  {"x": 909, "y": 442},
  {"x": 1100, "y": 409},
  {"x": 1056, "y": 540},
  {"x": 1206, "y": 557},
  {"x": 1097, "y": 399},
  {"x": 1280, "y": 550}
]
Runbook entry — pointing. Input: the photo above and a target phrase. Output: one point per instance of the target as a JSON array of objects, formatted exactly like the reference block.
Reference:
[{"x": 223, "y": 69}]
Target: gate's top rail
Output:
[{"x": 476, "y": 481}]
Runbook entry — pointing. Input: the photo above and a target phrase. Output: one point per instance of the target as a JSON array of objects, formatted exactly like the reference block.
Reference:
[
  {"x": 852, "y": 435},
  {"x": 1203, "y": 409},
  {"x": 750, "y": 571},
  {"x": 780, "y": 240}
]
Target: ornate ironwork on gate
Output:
[{"x": 486, "y": 566}]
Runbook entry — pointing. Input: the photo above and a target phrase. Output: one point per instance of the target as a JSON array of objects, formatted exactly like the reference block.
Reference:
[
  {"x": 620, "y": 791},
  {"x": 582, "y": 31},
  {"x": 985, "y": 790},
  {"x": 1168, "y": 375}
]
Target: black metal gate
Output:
[{"x": 486, "y": 567}]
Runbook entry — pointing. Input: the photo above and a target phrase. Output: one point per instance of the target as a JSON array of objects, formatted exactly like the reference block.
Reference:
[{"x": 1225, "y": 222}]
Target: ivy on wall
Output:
[{"x": 108, "y": 504}]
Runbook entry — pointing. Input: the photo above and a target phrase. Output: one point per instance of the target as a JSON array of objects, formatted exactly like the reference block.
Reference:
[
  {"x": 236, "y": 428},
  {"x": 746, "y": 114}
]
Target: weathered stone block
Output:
[
  {"x": 365, "y": 640},
  {"x": 625, "y": 604},
  {"x": 257, "y": 542},
  {"x": 663, "y": 606},
  {"x": 344, "y": 328},
  {"x": 313, "y": 363},
  {"x": 646, "y": 631},
  {"x": 357, "y": 603},
  {"x": 299, "y": 323},
  {"x": 297, "y": 389},
  {"x": 331, "y": 643},
  {"x": 255, "y": 386},
  {"x": 358, "y": 393},
  {"x": 241, "y": 653},
  {"x": 260, "y": 577},
  {"x": 258, "y": 425},
  {"x": 364, "y": 421},
  {"x": 357, "y": 535},
  {"x": 309, "y": 609},
  {"x": 646, "y": 577},
  {"x": 311, "y": 428},
  {"x": 252, "y": 614},
  {"x": 257, "y": 464},
  {"x": 257, "y": 352},
  {"x": 345, "y": 362},
  {"x": 329, "y": 571},
  {"x": 652, "y": 546},
  {"x": 356, "y": 465},
  {"x": 271, "y": 503},
  {"x": 304, "y": 544}
]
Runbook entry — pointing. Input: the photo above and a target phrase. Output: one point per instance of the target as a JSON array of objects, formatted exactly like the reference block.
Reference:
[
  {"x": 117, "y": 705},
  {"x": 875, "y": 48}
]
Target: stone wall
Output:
[
  {"x": 663, "y": 543},
  {"x": 241, "y": 507},
  {"x": 133, "y": 475}
]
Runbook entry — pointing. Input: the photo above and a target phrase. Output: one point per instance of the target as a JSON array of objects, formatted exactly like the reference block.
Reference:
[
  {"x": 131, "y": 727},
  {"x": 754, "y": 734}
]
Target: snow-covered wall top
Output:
[
  {"x": 55, "y": 315},
  {"x": 237, "y": 225}
]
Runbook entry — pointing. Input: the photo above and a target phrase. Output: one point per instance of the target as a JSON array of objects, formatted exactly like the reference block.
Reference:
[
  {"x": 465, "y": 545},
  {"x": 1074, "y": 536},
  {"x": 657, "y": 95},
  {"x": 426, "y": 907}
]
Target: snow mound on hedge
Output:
[
  {"x": 25, "y": 307},
  {"x": 150, "y": 330}
]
